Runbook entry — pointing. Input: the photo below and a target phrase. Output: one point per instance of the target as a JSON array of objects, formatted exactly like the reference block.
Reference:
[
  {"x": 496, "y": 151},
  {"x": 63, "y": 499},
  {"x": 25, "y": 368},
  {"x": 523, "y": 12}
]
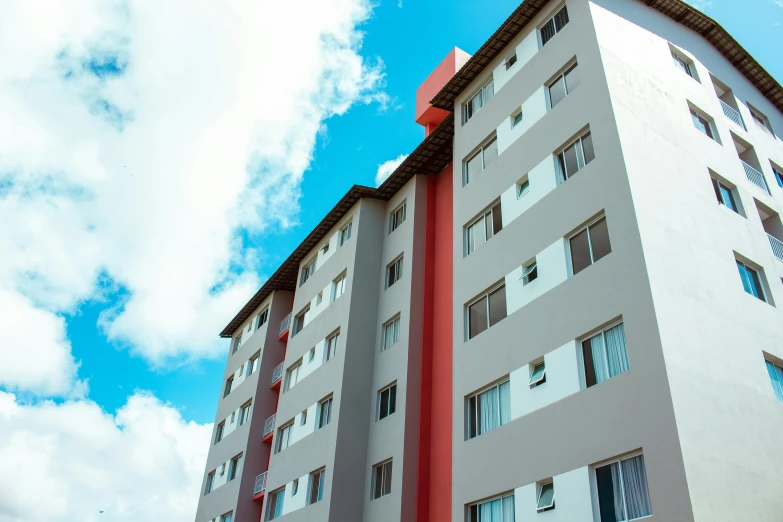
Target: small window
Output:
[
  {"x": 229, "y": 383},
  {"x": 307, "y": 272},
  {"x": 394, "y": 272},
  {"x": 344, "y": 234},
  {"x": 554, "y": 25},
  {"x": 227, "y": 517},
  {"x": 294, "y": 487},
  {"x": 390, "y": 333},
  {"x": 724, "y": 194},
  {"x": 565, "y": 83},
  {"x": 683, "y": 63},
  {"x": 237, "y": 342},
  {"x": 292, "y": 375},
  {"x": 480, "y": 160},
  {"x": 484, "y": 228},
  {"x": 319, "y": 298},
  {"x": 702, "y": 124},
  {"x": 219, "y": 432},
  {"x": 210, "y": 483},
  {"x": 330, "y": 350},
  {"x": 303, "y": 419},
  {"x": 622, "y": 490},
  {"x": 529, "y": 272},
  {"x": 589, "y": 245},
  {"x": 301, "y": 320},
  {"x": 262, "y": 318},
  {"x": 486, "y": 311},
  {"x": 387, "y": 401},
  {"x": 760, "y": 119},
  {"x": 751, "y": 281},
  {"x": 252, "y": 365},
  {"x": 241, "y": 370},
  {"x": 311, "y": 355},
  {"x": 605, "y": 355},
  {"x": 776, "y": 377},
  {"x": 538, "y": 374},
  {"x": 397, "y": 217},
  {"x": 516, "y": 117},
  {"x": 511, "y": 61},
  {"x": 477, "y": 101},
  {"x": 244, "y": 412},
  {"x": 276, "y": 499},
  {"x": 233, "y": 467},
  {"x": 498, "y": 509},
  {"x": 575, "y": 156},
  {"x": 382, "y": 477},
  {"x": 523, "y": 187},
  {"x": 325, "y": 248},
  {"x": 324, "y": 413},
  {"x": 546, "y": 497},
  {"x": 223, "y": 469},
  {"x": 233, "y": 416},
  {"x": 338, "y": 287},
  {"x": 284, "y": 437},
  {"x": 489, "y": 409},
  {"x": 778, "y": 173},
  {"x": 316, "y": 487}
]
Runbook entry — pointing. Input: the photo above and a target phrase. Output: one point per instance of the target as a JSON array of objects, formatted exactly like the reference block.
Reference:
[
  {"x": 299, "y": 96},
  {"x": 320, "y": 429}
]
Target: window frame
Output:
[
  {"x": 338, "y": 283},
  {"x": 331, "y": 344},
  {"x": 299, "y": 320},
  {"x": 475, "y": 414},
  {"x": 308, "y": 269},
  {"x": 594, "y": 483},
  {"x": 555, "y": 29},
  {"x": 386, "y": 478},
  {"x": 286, "y": 428},
  {"x": 237, "y": 342},
  {"x": 541, "y": 487},
  {"x": 777, "y": 173},
  {"x": 480, "y": 150},
  {"x": 590, "y": 223},
  {"x": 275, "y": 498},
  {"x": 500, "y": 497},
  {"x": 244, "y": 412},
  {"x": 468, "y": 234},
  {"x": 396, "y": 323},
  {"x": 297, "y": 366},
  {"x": 316, "y": 477},
  {"x": 344, "y": 233},
  {"x": 219, "y": 431},
  {"x": 683, "y": 63},
  {"x": 758, "y": 280},
  {"x": 529, "y": 272},
  {"x": 533, "y": 370},
  {"x": 581, "y": 159},
  {"x": 262, "y": 318},
  {"x": 706, "y": 121},
  {"x": 511, "y": 61},
  {"x": 209, "y": 486},
  {"x": 492, "y": 290},
  {"x": 324, "y": 404},
  {"x": 516, "y": 117},
  {"x": 397, "y": 216},
  {"x": 760, "y": 119},
  {"x": 467, "y": 112},
  {"x": 581, "y": 359},
  {"x": 562, "y": 76},
  {"x": 391, "y": 405},
  {"x": 717, "y": 185},
  {"x": 394, "y": 269},
  {"x": 229, "y": 386},
  {"x": 233, "y": 467}
]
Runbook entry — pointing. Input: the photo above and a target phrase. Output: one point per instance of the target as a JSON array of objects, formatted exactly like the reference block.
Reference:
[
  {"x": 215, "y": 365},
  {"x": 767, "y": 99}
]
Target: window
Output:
[
  {"x": 683, "y": 63},
  {"x": 394, "y": 272},
  {"x": 546, "y": 497},
  {"x": 276, "y": 504},
  {"x": 284, "y": 437},
  {"x": 338, "y": 287},
  {"x": 480, "y": 160},
  {"x": 229, "y": 382},
  {"x": 303, "y": 420},
  {"x": 778, "y": 172},
  {"x": 294, "y": 487},
  {"x": 565, "y": 83},
  {"x": 397, "y": 217},
  {"x": 323, "y": 413},
  {"x": 516, "y": 117},
  {"x": 344, "y": 234},
  {"x": 575, "y": 156},
  {"x": 301, "y": 319},
  {"x": 292, "y": 375},
  {"x": 210, "y": 483},
  {"x": 622, "y": 490},
  {"x": 252, "y": 365},
  {"x": 479, "y": 100},
  {"x": 538, "y": 374},
  {"x": 261, "y": 318},
  {"x": 227, "y": 517},
  {"x": 482, "y": 229},
  {"x": 529, "y": 272},
  {"x": 307, "y": 271},
  {"x": 382, "y": 476},
  {"x": 489, "y": 409},
  {"x": 554, "y": 25},
  {"x": 244, "y": 412},
  {"x": 523, "y": 187},
  {"x": 751, "y": 281},
  {"x": 325, "y": 248},
  {"x": 387, "y": 401},
  {"x": 760, "y": 119},
  {"x": 231, "y": 421},
  {"x": 511, "y": 61},
  {"x": 486, "y": 311},
  {"x": 499, "y": 509},
  {"x": 316, "y": 486},
  {"x": 605, "y": 355},
  {"x": 702, "y": 124},
  {"x": 219, "y": 432},
  {"x": 241, "y": 369},
  {"x": 724, "y": 194},
  {"x": 776, "y": 377},
  {"x": 233, "y": 467},
  {"x": 589, "y": 245},
  {"x": 311, "y": 355},
  {"x": 390, "y": 333},
  {"x": 237, "y": 342},
  {"x": 330, "y": 350},
  {"x": 223, "y": 469},
  {"x": 319, "y": 299}
]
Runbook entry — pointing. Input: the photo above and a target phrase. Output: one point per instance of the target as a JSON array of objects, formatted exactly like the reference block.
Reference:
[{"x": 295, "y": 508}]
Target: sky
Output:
[{"x": 158, "y": 161}]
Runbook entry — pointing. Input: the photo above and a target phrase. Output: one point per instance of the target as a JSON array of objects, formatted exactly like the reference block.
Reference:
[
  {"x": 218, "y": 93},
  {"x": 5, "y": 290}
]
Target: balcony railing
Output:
[
  {"x": 755, "y": 177},
  {"x": 777, "y": 246},
  {"x": 269, "y": 425},
  {"x": 285, "y": 323},
  {"x": 260, "y": 484},
  {"x": 277, "y": 373},
  {"x": 732, "y": 114}
]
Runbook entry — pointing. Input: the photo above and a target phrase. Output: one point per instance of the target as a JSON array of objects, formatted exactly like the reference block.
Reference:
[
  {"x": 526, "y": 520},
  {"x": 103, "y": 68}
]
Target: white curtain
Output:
[
  {"x": 508, "y": 509},
  {"x": 488, "y": 402},
  {"x": 619, "y": 505},
  {"x": 616, "y": 352},
  {"x": 505, "y": 402},
  {"x": 637, "y": 496},
  {"x": 599, "y": 358}
]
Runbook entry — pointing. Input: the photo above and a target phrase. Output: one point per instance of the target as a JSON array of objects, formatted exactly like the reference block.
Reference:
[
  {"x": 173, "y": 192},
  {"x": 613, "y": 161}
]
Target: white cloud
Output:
[
  {"x": 701, "y": 5},
  {"x": 386, "y": 168},
  {"x": 66, "y": 462},
  {"x": 140, "y": 145}
]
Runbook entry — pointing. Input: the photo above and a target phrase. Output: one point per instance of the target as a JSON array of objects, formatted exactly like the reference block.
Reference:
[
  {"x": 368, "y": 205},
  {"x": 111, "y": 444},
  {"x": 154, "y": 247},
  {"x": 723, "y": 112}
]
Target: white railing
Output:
[
  {"x": 285, "y": 323},
  {"x": 732, "y": 114},
  {"x": 277, "y": 373},
  {"x": 755, "y": 177},
  {"x": 777, "y": 246},
  {"x": 269, "y": 425},
  {"x": 260, "y": 484}
]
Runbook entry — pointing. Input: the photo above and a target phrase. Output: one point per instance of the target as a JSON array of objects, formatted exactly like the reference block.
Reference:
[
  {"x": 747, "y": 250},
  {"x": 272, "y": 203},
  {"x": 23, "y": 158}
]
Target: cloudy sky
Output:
[{"x": 158, "y": 160}]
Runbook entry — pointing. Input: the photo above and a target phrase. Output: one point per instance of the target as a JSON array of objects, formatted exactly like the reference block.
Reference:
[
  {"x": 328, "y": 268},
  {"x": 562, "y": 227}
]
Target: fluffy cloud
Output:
[
  {"x": 142, "y": 144},
  {"x": 386, "y": 168},
  {"x": 70, "y": 461}
]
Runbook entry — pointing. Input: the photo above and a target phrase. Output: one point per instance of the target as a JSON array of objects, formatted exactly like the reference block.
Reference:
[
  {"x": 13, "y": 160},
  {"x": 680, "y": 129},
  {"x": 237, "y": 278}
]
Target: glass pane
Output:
[
  {"x": 378, "y": 482},
  {"x": 473, "y": 167},
  {"x": 756, "y": 284},
  {"x": 497, "y": 305},
  {"x": 580, "y": 252},
  {"x": 547, "y": 32},
  {"x": 384, "y": 408},
  {"x": 571, "y": 163},
  {"x": 587, "y": 147},
  {"x": 557, "y": 92},
  {"x": 477, "y": 318},
  {"x": 489, "y": 91},
  {"x": 547, "y": 496},
  {"x": 599, "y": 239},
  {"x": 392, "y": 399},
  {"x": 572, "y": 79},
  {"x": 538, "y": 373},
  {"x": 637, "y": 496},
  {"x": 497, "y": 219},
  {"x": 488, "y": 224},
  {"x": 490, "y": 152},
  {"x": 726, "y": 197},
  {"x": 561, "y": 19},
  {"x": 387, "y": 478}
]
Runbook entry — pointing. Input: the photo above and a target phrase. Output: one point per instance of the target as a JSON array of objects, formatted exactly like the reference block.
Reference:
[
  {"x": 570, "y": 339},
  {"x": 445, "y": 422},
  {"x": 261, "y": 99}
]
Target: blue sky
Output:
[{"x": 156, "y": 167}]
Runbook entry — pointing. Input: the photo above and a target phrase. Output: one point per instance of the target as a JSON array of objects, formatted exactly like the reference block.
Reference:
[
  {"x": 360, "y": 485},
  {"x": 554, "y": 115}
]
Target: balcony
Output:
[
  {"x": 269, "y": 428},
  {"x": 260, "y": 486},
  {"x": 777, "y": 246},
  {"x": 755, "y": 177},
  {"x": 285, "y": 326},
  {"x": 277, "y": 376},
  {"x": 732, "y": 114}
]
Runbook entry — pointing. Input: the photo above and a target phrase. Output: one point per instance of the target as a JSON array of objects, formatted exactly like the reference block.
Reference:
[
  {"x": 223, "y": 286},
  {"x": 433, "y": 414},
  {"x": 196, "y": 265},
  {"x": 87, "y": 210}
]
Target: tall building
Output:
[{"x": 562, "y": 306}]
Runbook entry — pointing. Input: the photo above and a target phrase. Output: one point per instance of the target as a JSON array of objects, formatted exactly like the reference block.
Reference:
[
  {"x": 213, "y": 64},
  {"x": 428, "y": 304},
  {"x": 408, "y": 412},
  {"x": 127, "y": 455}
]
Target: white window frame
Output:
[
  {"x": 316, "y": 480},
  {"x": 381, "y": 465},
  {"x": 475, "y": 395},
  {"x": 516, "y": 117},
  {"x": 327, "y": 403},
  {"x": 529, "y": 269},
  {"x": 470, "y": 228},
  {"x": 551, "y": 505},
  {"x": 561, "y": 77},
  {"x": 262, "y": 318},
  {"x": 233, "y": 467},
  {"x": 479, "y": 151},
  {"x": 244, "y": 412},
  {"x": 759, "y": 275},
  {"x": 389, "y": 404},
  {"x": 541, "y": 378},
  {"x": 523, "y": 186},
  {"x": 760, "y": 119},
  {"x": 338, "y": 287},
  {"x": 307, "y": 271},
  {"x": 344, "y": 234},
  {"x": 486, "y": 294},
  {"x": 331, "y": 345},
  {"x": 397, "y": 216},
  {"x": 581, "y": 160},
  {"x": 557, "y": 11},
  {"x": 300, "y": 320},
  {"x": 684, "y": 63},
  {"x": 706, "y": 120},
  {"x": 237, "y": 343},
  {"x": 209, "y": 486},
  {"x": 286, "y": 429},
  {"x": 511, "y": 61},
  {"x": 276, "y": 496},
  {"x": 594, "y": 482},
  {"x": 500, "y": 497},
  {"x": 220, "y": 431},
  {"x": 578, "y": 231},
  {"x": 395, "y": 324},
  {"x": 485, "y": 94},
  {"x": 396, "y": 267},
  {"x": 292, "y": 370}
]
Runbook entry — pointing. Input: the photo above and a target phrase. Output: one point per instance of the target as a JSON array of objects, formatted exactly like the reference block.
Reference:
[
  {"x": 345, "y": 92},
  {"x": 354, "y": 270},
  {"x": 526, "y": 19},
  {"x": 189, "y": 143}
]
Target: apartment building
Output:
[{"x": 562, "y": 306}]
